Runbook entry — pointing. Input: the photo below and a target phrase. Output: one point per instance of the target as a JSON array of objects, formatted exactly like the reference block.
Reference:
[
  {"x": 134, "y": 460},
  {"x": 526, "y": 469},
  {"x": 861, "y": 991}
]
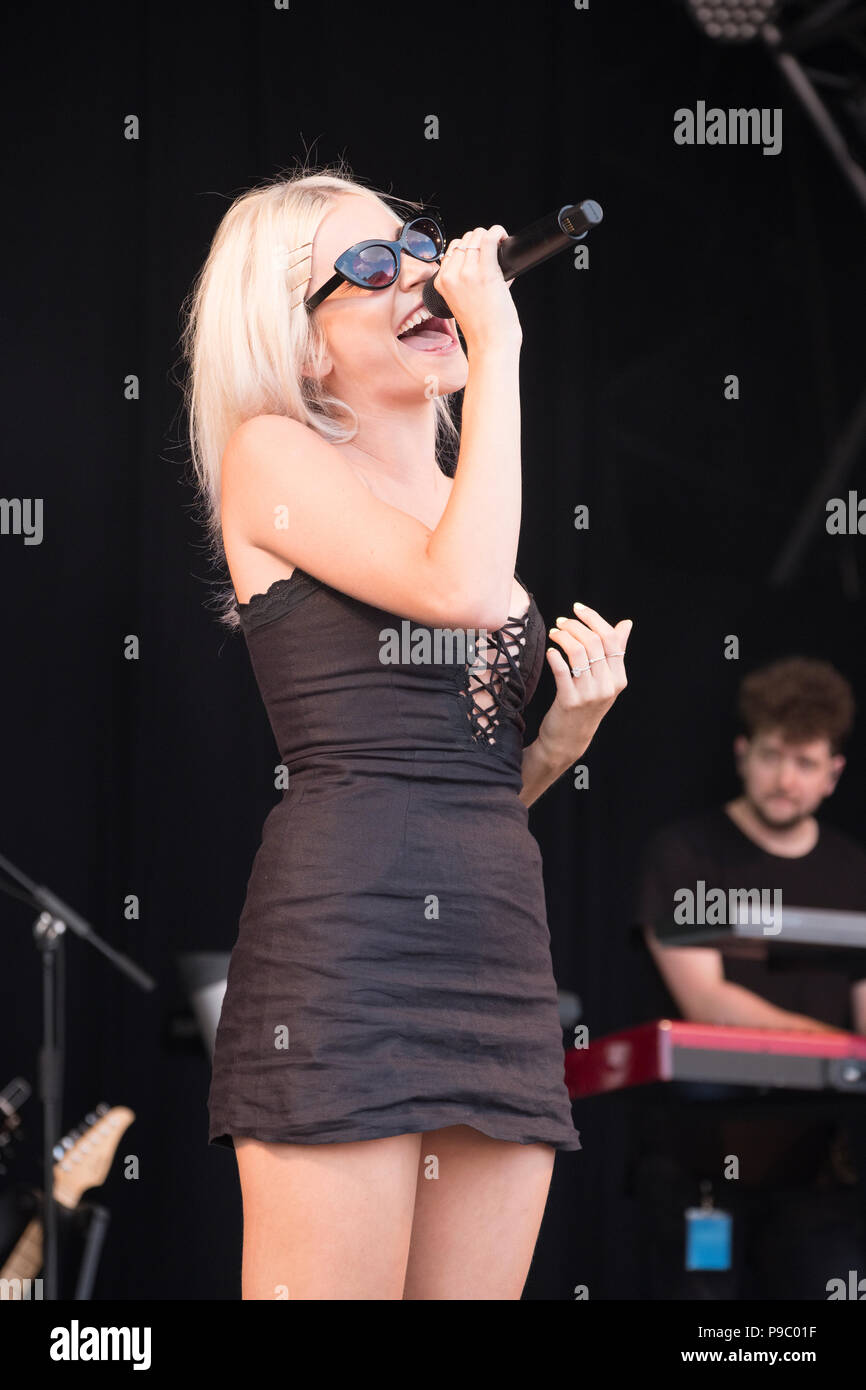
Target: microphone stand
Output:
[{"x": 48, "y": 931}]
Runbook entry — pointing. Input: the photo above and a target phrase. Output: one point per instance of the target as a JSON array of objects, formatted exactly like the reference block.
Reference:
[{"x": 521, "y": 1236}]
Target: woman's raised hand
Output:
[
  {"x": 588, "y": 665},
  {"x": 470, "y": 278}
]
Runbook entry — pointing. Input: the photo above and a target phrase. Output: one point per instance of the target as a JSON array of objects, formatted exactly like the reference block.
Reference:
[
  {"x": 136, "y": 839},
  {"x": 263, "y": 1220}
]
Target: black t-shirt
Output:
[
  {"x": 781, "y": 1136},
  {"x": 802, "y": 979}
]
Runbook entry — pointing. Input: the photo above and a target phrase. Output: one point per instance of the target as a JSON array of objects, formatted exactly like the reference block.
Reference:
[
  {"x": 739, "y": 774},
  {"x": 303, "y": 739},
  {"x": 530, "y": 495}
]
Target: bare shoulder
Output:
[
  {"x": 263, "y": 427},
  {"x": 271, "y": 461},
  {"x": 258, "y": 439}
]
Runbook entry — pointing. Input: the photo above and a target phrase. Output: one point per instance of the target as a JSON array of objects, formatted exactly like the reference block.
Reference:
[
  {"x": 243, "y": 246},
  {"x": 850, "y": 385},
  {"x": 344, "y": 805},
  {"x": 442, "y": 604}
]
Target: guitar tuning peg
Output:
[
  {"x": 102, "y": 1108},
  {"x": 91, "y": 1118},
  {"x": 58, "y": 1151}
]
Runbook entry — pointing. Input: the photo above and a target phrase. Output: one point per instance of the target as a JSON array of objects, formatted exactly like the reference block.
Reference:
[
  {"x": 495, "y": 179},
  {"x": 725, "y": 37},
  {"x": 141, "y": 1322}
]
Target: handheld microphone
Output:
[{"x": 528, "y": 248}]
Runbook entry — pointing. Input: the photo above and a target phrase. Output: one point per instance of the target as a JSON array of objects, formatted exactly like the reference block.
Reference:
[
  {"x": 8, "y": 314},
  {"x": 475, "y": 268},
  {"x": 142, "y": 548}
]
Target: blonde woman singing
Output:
[{"x": 389, "y": 1061}]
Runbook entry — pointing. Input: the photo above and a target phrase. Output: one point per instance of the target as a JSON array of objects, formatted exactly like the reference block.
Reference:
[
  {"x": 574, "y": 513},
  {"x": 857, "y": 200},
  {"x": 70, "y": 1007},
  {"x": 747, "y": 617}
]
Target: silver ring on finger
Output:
[
  {"x": 598, "y": 658},
  {"x": 578, "y": 670}
]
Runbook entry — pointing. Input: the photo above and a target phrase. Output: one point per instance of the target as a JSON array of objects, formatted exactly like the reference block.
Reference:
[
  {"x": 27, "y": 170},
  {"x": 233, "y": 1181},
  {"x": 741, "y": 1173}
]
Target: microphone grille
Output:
[{"x": 434, "y": 301}]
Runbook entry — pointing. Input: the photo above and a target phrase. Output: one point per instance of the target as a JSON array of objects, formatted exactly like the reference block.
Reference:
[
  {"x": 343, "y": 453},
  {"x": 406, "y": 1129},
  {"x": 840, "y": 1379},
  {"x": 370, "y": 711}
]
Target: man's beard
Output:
[{"x": 769, "y": 824}]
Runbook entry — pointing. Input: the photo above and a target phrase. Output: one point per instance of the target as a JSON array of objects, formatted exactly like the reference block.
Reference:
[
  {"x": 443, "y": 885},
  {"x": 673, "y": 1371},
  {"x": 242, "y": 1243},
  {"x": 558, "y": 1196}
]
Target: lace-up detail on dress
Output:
[{"x": 494, "y": 684}]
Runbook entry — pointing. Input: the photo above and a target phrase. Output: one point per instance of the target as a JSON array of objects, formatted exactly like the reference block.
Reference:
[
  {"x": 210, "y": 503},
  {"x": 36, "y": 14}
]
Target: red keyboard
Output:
[{"x": 668, "y": 1050}]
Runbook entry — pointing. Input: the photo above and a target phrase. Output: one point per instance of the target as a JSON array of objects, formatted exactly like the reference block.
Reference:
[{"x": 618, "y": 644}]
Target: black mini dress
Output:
[{"x": 392, "y": 970}]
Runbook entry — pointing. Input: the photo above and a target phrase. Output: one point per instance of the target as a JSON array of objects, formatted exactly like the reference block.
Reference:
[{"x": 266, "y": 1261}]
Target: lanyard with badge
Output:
[{"x": 708, "y": 1234}]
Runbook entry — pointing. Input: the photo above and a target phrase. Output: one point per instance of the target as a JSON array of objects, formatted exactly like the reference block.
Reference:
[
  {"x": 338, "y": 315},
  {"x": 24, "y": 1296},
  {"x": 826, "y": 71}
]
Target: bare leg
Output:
[
  {"x": 327, "y": 1221},
  {"x": 476, "y": 1224}
]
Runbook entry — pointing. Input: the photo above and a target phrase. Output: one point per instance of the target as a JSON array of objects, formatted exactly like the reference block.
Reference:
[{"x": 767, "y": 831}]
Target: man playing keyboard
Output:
[{"x": 798, "y": 1193}]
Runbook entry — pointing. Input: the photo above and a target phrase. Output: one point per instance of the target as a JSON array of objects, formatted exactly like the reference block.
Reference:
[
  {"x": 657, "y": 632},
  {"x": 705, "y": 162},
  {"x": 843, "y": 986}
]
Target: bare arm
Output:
[
  {"x": 480, "y": 526},
  {"x": 539, "y": 771},
  {"x": 858, "y": 1006},
  {"x": 695, "y": 977},
  {"x": 291, "y": 494}
]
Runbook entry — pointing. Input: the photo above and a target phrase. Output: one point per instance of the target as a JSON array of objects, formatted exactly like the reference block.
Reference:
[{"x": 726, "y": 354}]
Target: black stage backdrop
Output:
[{"x": 153, "y": 776}]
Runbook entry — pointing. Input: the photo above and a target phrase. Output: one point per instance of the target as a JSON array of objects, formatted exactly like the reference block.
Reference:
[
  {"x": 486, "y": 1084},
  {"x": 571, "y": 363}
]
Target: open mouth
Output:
[{"x": 432, "y": 335}]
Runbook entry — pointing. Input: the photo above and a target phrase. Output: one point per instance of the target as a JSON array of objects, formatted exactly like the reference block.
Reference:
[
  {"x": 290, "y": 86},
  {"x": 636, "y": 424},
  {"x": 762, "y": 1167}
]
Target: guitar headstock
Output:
[
  {"x": 85, "y": 1155},
  {"x": 12, "y": 1097}
]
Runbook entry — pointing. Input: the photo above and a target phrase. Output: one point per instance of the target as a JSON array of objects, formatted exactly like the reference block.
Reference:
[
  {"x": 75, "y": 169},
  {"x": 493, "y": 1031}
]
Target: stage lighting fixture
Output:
[{"x": 728, "y": 22}]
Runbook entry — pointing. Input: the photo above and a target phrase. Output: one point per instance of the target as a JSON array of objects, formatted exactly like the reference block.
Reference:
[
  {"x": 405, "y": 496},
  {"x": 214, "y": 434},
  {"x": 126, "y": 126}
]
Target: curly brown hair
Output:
[{"x": 799, "y": 697}]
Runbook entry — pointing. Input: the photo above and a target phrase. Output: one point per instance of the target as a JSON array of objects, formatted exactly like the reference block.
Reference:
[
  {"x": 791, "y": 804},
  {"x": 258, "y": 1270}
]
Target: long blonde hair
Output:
[{"x": 244, "y": 338}]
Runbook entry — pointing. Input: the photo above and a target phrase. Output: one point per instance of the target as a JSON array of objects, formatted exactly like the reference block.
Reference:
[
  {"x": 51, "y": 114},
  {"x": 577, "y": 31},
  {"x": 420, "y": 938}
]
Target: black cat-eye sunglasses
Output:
[{"x": 373, "y": 265}]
